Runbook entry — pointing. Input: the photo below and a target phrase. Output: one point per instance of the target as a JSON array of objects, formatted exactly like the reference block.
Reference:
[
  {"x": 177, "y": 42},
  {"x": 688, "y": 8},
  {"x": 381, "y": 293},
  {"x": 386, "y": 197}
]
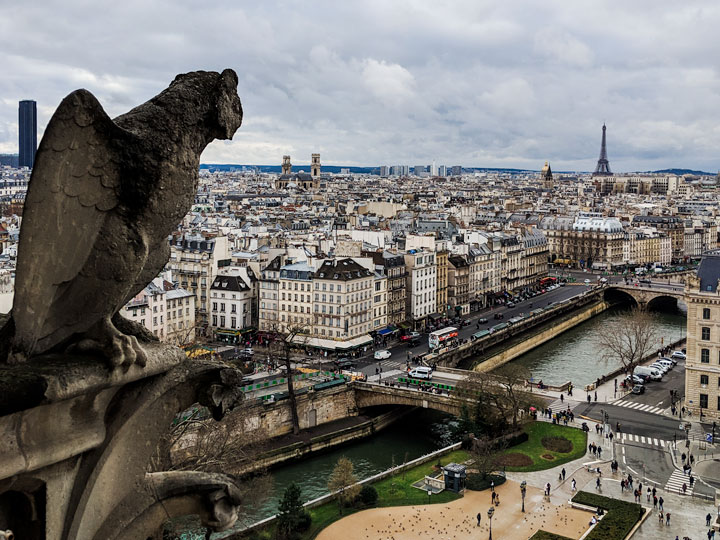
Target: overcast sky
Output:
[{"x": 476, "y": 83}]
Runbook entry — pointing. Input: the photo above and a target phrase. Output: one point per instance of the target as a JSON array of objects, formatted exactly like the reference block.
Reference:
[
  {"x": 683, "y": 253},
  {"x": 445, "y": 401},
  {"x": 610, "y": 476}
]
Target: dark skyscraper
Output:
[{"x": 27, "y": 126}]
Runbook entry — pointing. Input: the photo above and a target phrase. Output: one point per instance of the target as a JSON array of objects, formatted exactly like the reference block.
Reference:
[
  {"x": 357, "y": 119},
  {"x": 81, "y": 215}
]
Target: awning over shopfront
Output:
[
  {"x": 387, "y": 331},
  {"x": 331, "y": 344}
]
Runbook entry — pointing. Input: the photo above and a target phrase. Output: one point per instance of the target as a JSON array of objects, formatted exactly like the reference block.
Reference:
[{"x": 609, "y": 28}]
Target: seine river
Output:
[{"x": 575, "y": 356}]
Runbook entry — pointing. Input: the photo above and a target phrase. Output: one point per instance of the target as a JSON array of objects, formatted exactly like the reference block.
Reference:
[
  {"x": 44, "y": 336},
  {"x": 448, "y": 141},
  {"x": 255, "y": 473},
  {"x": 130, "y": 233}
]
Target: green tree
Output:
[
  {"x": 292, "y": 517},
  {"x": 343, "y": 482}
]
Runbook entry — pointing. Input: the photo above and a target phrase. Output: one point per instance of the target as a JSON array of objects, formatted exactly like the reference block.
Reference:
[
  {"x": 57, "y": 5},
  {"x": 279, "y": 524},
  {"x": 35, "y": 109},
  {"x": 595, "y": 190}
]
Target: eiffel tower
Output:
[{"x": 603, "y": 165}]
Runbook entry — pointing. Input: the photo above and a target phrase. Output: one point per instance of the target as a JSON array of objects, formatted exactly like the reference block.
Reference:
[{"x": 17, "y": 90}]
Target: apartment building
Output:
[
  {"x": 166, "y": 310},
  {"x": 343, "y": 303},
  {"x": 231, "y": 300},
  {"x": 421, "y": 284},
  {"x": 194, "y": 261},
  {"x": 269, "y": 296},
  {"x": 459, "y": 284},
  {"x": 296, "y": 301},
  {"x": 702, "y": 367}
]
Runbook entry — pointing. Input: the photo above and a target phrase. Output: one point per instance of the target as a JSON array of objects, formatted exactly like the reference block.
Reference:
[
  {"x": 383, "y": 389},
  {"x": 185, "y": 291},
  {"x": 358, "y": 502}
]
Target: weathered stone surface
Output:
[{"x": 103, "y": 197}]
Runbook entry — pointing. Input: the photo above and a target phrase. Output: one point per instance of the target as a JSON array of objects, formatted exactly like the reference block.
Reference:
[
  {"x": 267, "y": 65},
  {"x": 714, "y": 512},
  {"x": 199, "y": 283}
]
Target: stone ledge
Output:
[{"x": 57, "y": 377}]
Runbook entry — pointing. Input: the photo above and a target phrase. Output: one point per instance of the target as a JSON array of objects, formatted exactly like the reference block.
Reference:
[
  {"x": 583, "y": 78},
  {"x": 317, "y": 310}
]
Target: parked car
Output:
[
  {"x": 248, "y": 351},
  {"x": 382, "y": 355},
  {"x": 482, "y": 320},
  {"x": 647, "y": 281},
  {"x": 673, "y": 361},
  {"x": 660, "y": 367},
  {"x": 666, "y": 362},
  {"x": 587, "y": 282},
  {"x": 679, "y": 355},
  {"x": 510, "y": 304},
  {"x": 638, "y": 389},
  {"x": 636, "y": 379},
  {"x": 562, "y": 284}
]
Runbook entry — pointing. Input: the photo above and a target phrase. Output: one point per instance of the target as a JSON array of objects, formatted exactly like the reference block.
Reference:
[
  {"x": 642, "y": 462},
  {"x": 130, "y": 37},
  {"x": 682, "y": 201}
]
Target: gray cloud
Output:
[{"x": 368, "y": 82}]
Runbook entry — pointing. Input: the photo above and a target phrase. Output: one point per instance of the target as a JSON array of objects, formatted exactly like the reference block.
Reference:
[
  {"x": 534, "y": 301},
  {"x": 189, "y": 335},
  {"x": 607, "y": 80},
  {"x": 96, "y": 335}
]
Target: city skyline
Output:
[{"x": 473, "y": 84}]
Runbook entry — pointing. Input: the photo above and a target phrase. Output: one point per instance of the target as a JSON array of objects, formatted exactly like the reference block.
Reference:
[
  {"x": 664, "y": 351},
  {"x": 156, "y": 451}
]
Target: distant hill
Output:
[{"x": 680, "y": 172}]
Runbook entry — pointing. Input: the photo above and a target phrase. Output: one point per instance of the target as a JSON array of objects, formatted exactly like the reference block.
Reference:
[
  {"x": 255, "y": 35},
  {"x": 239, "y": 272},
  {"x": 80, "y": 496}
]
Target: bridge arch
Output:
[
  {"x": 613, "y": 295},
  {"x": 663, "y": 303}
]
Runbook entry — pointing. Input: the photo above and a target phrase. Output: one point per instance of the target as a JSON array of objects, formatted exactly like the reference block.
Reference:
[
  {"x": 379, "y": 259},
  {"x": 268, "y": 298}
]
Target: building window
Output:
[
  {"x": 704, "y": 379},
  {"x": 222, "y": 321},
  {"x": 214, "y": 306},
  {"x": 703, "y": 401},
  {"x": 706, "y": 313},
  {"x": 705, "y": 333}
]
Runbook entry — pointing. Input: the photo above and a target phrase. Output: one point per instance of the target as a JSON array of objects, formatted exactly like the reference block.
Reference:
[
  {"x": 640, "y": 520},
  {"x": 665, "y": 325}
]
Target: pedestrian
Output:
[
  {"x": 684, "y": 488},
  {"x": 479, "y": 517},
  {"x": 667, "y": 519},
  {"x": 660, "y": 502},
  {"x": 573, "y": 485},
  {"x": 622, "y": 486},
  {"x": 648, "y": 496},
  {"x": 561, "y": 398},
  {"x": 547, "y": 489},
  {"x": 563, "y": 473},
  {"x": 683, "y": 456},
  {"x": 611, "y": 436},
  {"x": 692, "y": 459},
  {"x": 662, "y": 518},
  {"x": 588, "y": 398},
  {"x": 492, "y": 486},
  {"x": 597, "y": 483},
  {"x": 630, "y": 480},
  {"x": 492, "y": 497},
  {"x": 692, "y": 481},
  {"x": 708, "y": 519},
  {"x": 655, "y": 501},
  {"x": 654, "y": 491},
  {"x": 596, "y": 396},
  {"x": 599, "y": 451}
]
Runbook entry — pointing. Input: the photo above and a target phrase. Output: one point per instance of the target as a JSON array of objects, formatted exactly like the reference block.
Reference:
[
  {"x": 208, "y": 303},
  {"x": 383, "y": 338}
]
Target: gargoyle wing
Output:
[{"x": 74, "y": 183}]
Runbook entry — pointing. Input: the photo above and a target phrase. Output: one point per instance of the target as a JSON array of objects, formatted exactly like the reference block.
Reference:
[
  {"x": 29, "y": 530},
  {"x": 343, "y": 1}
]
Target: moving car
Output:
[
  {"x": 678, "y": 355},
  {"x": 410, "y": 336},
  {"x": 587, "y": 282},
  {"x": 638, "y": 389},
  {"x": 421, "y": 372},
  {"x": 482, "y": 320},
  {"x": 344, "y": 363},
  {"x": 382, "y": 355},
  {"x": 510, "y": 304}
]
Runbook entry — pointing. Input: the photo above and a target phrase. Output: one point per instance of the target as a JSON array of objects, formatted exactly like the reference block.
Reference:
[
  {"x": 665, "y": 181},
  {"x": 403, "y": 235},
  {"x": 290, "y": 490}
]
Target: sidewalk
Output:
[{"x": 687, "y": 513}]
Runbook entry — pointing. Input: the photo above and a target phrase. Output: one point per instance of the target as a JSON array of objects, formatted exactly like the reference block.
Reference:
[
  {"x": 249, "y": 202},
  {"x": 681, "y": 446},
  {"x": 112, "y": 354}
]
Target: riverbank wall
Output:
[
  {"x": 324, "y": 441},
  {"x": 499, "y": 356},
  {"x": 537, "y": 318},
  {"x": 238, "y": 534}
]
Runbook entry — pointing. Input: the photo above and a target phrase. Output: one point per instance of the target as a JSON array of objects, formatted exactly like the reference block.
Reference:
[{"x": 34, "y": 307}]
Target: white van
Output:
[
  {"x": 421, "y": 372},
  {"x": 654, "y": 374}
]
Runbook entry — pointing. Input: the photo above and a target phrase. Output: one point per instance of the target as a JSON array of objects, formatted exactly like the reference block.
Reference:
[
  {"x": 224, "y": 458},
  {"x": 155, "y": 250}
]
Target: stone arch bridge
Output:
[
  {"x": 644, "y": 295},
  {"x": 372, "y": 395}
]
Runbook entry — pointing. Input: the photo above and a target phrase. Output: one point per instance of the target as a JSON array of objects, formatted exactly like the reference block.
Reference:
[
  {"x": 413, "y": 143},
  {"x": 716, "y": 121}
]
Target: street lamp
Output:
[
  {"x": 490, "y": 515},
  {"x": 429, "y": 492},
  {"x": 523, "y": 489}
]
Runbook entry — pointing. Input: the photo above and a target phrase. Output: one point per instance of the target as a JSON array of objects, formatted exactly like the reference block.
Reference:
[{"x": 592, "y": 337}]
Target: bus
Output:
[
  {"x": 439, "y": 337},
  {"x": 547, "y": 281}
]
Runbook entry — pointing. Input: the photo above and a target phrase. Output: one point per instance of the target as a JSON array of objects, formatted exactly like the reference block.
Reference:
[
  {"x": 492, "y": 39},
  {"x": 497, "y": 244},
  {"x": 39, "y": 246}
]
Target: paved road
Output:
[{"x": 399, "y": 351}]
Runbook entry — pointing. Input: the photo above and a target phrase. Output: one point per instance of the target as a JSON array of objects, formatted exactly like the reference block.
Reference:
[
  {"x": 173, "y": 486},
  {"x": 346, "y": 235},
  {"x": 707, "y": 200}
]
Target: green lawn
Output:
[
  {"x": 534, "y": 449},
  {"x": 392, "y": 491}
]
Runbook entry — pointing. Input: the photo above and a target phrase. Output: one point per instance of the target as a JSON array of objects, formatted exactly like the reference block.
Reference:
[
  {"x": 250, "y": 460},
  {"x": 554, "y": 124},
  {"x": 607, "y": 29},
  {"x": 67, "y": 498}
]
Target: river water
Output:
[
  {"x": 416, "y": 434},
  {"x": 575, "y": 356}
]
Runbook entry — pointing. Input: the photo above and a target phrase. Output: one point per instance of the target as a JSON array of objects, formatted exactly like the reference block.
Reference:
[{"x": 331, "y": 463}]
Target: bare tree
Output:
[
  {"x": 501, "y": 392},
  {"x": 629, "y": 339},
  {"x": 284, "y": 342},
  {"x": 343, "y": 481},
  {"x": 484, "y": 453}
]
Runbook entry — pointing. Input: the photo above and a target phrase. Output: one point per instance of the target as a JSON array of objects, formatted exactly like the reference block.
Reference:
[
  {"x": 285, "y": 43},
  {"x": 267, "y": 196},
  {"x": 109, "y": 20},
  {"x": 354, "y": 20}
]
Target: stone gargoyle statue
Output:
[{"x": 103, "y": 198}]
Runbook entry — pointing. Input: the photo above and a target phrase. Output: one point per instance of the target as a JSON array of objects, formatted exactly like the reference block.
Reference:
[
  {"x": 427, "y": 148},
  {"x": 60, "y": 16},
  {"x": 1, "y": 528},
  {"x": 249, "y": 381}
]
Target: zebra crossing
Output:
[
  {"x": 639, "y": 406},
  {"x": 676, "y": 481},
  {"x": 651, "y": 441}
]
